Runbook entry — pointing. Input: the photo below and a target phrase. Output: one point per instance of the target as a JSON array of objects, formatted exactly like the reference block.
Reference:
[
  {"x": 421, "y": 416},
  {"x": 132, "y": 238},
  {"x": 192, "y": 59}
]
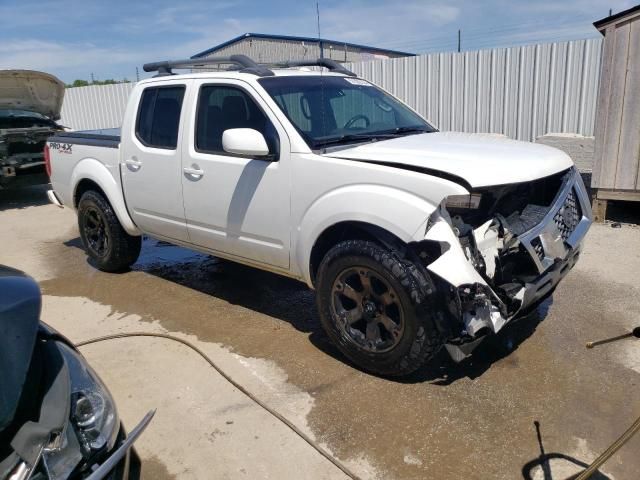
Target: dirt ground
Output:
[{"x": 532, "y": 404}]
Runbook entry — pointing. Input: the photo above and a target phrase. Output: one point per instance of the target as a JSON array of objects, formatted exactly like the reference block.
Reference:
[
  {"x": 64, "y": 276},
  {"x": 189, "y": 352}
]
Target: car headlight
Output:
[{"x": 93, "y": 423}]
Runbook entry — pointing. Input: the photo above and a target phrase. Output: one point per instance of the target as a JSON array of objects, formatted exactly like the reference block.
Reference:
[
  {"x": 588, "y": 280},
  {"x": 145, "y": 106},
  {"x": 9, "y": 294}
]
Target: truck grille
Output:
[
  {"x": 568, "y": 216},
  {"x": 564, "y": 226}
]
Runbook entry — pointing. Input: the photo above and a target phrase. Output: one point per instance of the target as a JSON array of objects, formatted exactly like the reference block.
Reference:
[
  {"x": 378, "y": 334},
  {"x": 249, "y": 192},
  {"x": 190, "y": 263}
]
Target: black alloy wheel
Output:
[
  {"x": 368, "y": 308},
  {"x": 108, "y": 245},
  {"x": 96, "y": 232},
  {"x": 377, "y": 307}
]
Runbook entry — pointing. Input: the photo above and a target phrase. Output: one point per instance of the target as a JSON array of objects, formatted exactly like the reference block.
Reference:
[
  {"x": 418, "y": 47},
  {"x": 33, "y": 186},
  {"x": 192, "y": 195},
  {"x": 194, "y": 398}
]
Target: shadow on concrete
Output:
[
  {"x": 444, "y": 371},
  {"x": 16, "y": 198},
  {"x": 293, "y": 302},
  {"x": 543, "y": 463},
  {"x": 75, "y": 243},
  {"x": 267, "y": 293}
]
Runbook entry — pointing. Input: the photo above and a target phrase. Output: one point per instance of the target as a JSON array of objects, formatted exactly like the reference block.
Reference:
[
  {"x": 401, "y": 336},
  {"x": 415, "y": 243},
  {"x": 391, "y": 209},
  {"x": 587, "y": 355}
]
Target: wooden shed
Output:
[{"x": 616, "y": 170}]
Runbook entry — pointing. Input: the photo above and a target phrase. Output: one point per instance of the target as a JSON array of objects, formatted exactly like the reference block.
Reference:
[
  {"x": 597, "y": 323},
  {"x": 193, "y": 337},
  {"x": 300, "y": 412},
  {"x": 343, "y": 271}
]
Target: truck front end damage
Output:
[{"x": 501, "y": 250}]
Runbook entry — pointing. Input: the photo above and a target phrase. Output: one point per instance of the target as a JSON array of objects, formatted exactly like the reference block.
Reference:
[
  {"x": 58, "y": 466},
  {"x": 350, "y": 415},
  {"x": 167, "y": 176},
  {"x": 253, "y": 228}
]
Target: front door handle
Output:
[
  {"x": 133, "y": 164},
  {"x": 194, "y": 171}
]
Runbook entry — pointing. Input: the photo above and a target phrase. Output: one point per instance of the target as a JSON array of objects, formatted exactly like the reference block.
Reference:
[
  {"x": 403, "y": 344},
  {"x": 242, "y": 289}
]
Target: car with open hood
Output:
[{"x": 30, "y": 104}]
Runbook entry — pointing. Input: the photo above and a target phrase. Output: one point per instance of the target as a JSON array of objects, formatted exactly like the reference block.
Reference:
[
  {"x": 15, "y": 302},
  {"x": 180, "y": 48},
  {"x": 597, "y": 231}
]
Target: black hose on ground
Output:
[{"x": 266, "y": 407}]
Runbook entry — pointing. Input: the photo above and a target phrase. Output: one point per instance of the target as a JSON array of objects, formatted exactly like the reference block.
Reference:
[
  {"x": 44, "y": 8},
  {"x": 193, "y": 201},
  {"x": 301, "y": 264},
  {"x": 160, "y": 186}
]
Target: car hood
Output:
[
  {"x": 479, "y": 159},
  {"x": 30, "y": 90}
]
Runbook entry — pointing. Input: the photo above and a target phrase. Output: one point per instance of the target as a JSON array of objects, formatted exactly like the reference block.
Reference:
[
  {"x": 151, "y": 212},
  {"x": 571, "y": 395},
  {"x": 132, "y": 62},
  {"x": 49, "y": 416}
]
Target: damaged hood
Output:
[
  {"x": 480, "y": 159},
  {"x": 33, "y": 91}
]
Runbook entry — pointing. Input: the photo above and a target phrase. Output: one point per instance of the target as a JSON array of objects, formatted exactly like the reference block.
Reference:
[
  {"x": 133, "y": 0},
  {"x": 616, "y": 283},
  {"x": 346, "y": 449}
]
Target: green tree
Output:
[
  {"x": 85, "y": 83},
  {"x": 78, "y": 83}
]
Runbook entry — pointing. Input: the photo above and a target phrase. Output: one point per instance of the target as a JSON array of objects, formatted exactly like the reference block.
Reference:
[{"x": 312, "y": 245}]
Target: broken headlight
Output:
[
  {"x": 457, "y": 202},
  {"x": 93, "y": 423}
]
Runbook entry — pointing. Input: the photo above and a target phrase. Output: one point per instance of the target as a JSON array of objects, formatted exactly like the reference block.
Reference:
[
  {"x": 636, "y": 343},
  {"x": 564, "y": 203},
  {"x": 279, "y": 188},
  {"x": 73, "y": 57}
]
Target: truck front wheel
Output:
[
  {"x": 107, "y": 244},
  {"x": 375, "y": 307}
]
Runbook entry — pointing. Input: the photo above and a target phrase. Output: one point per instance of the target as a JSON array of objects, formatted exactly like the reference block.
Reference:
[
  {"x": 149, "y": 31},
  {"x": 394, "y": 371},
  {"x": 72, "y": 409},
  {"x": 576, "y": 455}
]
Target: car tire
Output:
[
  {"x": 355, "y": 274},
  {"x": 107, "y": 244}
]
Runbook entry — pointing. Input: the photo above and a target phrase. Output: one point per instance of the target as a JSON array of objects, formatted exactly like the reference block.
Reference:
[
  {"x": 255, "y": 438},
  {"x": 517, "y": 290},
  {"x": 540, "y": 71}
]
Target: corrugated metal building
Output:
[
  {"x": 266, "y": 48},
  {"x": 523, "y": 92},
  {"x": 95, "y": 106}
]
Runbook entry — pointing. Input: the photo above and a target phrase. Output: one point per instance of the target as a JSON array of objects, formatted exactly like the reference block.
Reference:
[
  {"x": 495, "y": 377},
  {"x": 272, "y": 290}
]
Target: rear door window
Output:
[{"x": 159, "y": 116}]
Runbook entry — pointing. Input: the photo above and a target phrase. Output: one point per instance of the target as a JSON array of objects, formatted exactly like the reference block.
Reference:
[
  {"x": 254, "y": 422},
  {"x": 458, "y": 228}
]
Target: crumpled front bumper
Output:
[{"x": 553, "y": 246}]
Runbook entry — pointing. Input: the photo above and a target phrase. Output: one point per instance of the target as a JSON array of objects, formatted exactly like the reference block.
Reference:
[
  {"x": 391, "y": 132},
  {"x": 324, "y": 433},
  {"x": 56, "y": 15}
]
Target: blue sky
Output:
[{"x": 74, "y": 38}]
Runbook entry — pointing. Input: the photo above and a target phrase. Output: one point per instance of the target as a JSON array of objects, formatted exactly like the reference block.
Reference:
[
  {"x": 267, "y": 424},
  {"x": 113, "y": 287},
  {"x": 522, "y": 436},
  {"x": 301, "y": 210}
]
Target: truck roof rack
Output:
[
  {"x": 244, "y": 64},
  {"x": 329, "y": 64}
]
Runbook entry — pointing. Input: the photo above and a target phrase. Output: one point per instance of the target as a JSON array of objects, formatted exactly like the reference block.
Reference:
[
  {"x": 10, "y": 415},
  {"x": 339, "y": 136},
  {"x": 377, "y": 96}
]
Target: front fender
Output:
[
  {"x": 97, "y": 172},
  {"x": 397, "y": 211}
]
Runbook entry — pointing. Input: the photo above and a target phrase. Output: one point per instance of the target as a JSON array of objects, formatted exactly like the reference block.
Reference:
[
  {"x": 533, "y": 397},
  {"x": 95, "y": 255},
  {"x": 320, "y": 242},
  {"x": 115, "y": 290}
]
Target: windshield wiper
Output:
[
  {"x": 401, "y": 130},
  {"x": 413, "y": 130},
  {"x": 352, "y": 137},
  {"x": 392, "y": 133}
]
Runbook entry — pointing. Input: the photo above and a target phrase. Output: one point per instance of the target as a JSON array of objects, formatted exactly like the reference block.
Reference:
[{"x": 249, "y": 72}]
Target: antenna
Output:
[
  {"x": 321, "y": 59},
  {"x": 319, "y": 37}
]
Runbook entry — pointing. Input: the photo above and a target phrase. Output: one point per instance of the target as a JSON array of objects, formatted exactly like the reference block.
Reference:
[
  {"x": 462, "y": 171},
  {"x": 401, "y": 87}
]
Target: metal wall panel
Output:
[
  {"x": 95, "y": 106},
  {"x": 522, "y": 92}
]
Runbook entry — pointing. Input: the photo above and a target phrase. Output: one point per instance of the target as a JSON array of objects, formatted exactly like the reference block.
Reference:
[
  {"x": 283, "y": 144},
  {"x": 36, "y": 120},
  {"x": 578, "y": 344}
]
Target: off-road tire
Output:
[
  {"x": 420, "y": 340},
  {"x": 122, "y": 249}
]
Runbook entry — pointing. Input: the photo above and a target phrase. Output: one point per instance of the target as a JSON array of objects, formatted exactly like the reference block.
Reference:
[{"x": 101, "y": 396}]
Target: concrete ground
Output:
[{"x": 532, "y": 404}]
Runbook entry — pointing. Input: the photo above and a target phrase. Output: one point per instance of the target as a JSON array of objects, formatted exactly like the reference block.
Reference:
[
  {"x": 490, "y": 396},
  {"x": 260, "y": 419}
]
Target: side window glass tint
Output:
[
  {"x": 159, "y": 116},
  {"x": 221, "y": 108},
  {"x": 145, "y": 115}
]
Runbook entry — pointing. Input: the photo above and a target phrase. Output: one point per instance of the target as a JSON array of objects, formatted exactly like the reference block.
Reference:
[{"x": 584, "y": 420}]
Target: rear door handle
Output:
[
  {"x": 133, "y": 164},
  {"x": 194, "y": 171}
]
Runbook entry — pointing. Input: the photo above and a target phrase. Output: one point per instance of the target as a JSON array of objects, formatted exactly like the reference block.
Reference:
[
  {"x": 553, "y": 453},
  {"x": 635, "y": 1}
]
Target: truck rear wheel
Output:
[
  {"x": 107, "y": 244},
  {"x": 375, "y": 308}
]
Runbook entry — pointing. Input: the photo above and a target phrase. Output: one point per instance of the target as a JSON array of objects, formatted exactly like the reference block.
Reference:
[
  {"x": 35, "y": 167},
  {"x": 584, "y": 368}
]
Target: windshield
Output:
[{"x": 330, "y": 110}]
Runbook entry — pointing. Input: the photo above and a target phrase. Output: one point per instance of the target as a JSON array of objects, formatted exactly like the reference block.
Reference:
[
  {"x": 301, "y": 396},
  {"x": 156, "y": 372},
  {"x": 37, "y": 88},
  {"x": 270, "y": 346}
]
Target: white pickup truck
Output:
[{"x": 414, "y": 239}]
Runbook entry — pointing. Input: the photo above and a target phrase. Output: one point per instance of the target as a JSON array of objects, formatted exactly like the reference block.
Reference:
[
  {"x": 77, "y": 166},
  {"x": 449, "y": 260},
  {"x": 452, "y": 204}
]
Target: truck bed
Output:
[{"x": 107, "y": 137}]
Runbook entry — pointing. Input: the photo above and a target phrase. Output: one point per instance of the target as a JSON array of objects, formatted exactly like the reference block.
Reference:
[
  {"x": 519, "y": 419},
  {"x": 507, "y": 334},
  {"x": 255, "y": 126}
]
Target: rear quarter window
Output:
[{"x": 158, "y": 118}]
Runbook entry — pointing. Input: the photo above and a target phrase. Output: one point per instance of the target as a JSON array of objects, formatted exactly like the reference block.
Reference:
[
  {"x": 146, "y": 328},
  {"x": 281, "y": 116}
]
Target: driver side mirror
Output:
[{"x": 245, "y": 141}]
